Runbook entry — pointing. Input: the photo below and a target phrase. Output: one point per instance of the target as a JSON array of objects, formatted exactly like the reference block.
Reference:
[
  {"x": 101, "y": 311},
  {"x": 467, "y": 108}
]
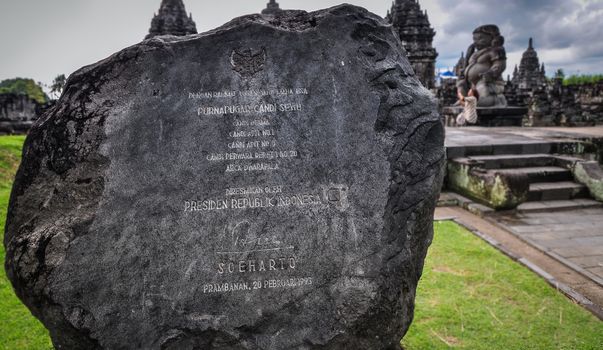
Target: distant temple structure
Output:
[
  {"x": 272, "y": 8},
  {"x": 172, "y": 20},
  {"x": 529, "y": 83},
  {"x": 531, "y": 74},
  {"x": 459, "y": 67},
  {"x": 416, "y": 34},
  {"x": 18, "y": 113}
]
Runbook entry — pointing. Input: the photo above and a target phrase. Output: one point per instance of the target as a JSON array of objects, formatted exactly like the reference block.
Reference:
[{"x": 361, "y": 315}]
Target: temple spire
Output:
[
  {"x": 172, "y": 19},
  {"x": 459, "y": 68},
  {"x": 411, "y": 23},
  {"x": 530, "y": 74},
  {"x": 272, "y": 8}
]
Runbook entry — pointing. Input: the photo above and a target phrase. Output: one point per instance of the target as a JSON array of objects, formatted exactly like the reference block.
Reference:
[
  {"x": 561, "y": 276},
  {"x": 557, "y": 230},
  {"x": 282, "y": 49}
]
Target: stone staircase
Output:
[
  {"x": 520, "y": 179},
  {"x": 557, "y": 190}
]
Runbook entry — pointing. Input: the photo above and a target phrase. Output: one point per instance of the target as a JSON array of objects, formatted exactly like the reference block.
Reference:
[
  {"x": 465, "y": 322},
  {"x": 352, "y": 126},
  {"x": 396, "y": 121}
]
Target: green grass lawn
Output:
[
  {"x": 18, "y": 328},
  {"x": 470, "y": 297},
  {"x": 473, "y": 297}
]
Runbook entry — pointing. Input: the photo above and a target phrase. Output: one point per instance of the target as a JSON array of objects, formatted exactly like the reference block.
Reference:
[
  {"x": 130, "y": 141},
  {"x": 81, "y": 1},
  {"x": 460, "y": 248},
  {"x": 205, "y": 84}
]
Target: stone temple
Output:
[
  {"x": 272, "y": 8},
  {"x": 531, "y": 74},
  {"x": 528, "y": 87},
  {"x": 172, "y": 20},
  {"x": 459, "y": 68},
  {"x": 416, "y": 34}
]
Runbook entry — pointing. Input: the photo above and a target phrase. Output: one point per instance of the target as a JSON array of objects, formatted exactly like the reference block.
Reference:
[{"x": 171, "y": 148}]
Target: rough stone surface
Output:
[
  {"x": 591, "y": 175},
  {"x": 572, "y": 105},
  {"x": 318, "y": 245}
]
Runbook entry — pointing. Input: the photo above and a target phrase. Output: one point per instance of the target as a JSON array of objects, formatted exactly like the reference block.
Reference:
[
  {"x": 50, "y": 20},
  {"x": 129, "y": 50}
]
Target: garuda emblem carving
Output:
[{"x": 247, "y": 63}]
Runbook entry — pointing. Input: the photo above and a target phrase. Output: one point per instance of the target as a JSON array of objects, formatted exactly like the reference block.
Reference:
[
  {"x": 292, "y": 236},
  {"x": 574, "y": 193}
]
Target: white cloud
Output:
[{"x": 567, "y": 33}]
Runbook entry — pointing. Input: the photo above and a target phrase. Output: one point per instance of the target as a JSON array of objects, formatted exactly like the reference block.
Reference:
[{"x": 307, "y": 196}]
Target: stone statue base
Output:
[{"x": 489, "y": 116}]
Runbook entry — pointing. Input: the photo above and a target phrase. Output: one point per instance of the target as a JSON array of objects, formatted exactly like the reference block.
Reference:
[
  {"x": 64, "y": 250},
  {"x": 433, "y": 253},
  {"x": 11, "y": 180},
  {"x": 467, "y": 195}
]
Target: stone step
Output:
[
  {"x": 540, "y": 173},
  {"x": 491, "y": 147},
  {"x": 563, "y": 190},
  {"x": 503, "y": 161},
  {"x": 495, "y": 149},
  {"x": 545, "y": 206},
  {"x": 515, "y": 160}
]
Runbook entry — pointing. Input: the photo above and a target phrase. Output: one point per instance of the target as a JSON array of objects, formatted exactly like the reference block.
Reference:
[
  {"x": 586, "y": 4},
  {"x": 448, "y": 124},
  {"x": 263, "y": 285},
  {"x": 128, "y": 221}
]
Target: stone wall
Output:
[
  {"x": 17, "y": 113},
  {"x": 550, "y": 105},
  {"x": 446, "y": 93},
  {"x": 573, "y": 105},
  {"x": 588, "y": 99}
]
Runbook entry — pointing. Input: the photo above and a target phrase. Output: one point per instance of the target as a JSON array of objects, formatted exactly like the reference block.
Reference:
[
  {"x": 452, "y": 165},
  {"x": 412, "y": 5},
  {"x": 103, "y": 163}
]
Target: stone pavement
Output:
[{"x": 574, "y": 237}]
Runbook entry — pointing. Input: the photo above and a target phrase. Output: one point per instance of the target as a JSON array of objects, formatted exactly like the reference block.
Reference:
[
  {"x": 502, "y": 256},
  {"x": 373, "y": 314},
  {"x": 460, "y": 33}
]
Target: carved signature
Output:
[{"x": 242, "y": 237}]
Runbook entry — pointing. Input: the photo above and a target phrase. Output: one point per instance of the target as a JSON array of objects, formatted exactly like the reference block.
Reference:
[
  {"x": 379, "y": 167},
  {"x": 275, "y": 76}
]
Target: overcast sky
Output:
[{"x": 40, "y": 39}]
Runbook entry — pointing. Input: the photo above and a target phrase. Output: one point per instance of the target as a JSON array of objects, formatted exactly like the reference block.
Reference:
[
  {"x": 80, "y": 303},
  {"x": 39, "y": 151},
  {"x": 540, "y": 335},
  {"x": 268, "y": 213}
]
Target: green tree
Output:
[
  {"x": 21, "y": 86},
  {"x": 560, "y": 74},
  {"x": 58, "y": 84},
  {"x": 582, "y": 79}
]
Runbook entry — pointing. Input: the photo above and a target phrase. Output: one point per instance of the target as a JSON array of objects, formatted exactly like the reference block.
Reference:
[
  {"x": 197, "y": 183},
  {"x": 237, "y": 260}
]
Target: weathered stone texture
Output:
[
  {"x": 105, "y": 246},
  {"x": 572, "y": 105}
]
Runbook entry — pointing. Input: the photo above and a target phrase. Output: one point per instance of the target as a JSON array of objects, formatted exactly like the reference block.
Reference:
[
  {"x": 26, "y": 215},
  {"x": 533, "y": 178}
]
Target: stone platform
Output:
[
  {"x": 489, "y": 117},
  {"x": 475, "y": 140}
]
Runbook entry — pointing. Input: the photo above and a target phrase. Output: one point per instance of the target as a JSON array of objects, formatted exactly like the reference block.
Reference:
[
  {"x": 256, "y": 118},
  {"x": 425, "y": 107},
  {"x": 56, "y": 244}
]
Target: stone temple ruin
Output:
[
  {"x": 272, "y": 8},
  {"x": 530, "y": 75},
  {"x": 172, "y": 20},
  {"x": 549, "y": 101},
  {"x": 480, "y": 85},
  {"x": 416, "y": 34},
  {"x": 17, "y": 113}
]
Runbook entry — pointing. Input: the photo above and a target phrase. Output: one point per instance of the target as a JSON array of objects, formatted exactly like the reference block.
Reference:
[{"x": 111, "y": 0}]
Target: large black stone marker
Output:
[{"x": 266, "y": 185}]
